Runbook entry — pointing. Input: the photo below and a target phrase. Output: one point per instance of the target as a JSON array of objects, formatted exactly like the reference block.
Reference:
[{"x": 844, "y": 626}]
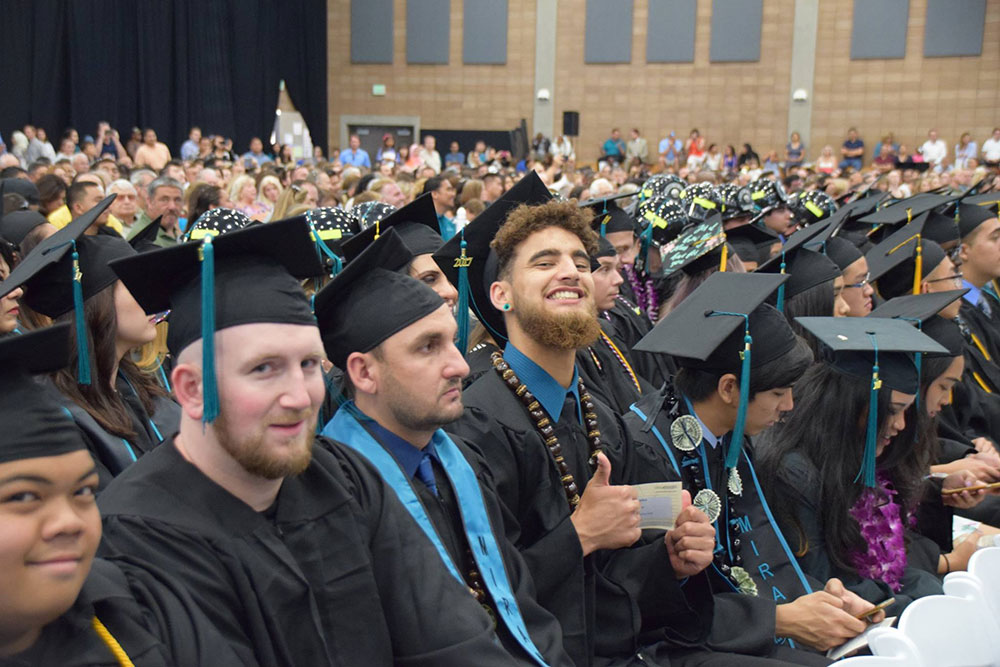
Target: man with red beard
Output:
[
  {"x": 298, "y": 553},
  {"x": 556, "y": 452}
]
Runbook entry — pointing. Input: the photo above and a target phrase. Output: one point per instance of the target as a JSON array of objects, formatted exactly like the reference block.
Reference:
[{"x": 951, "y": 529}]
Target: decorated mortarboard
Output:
[
  {"x": 370, "y": 300},
  {"x": 416, "y": 223},
  {"x": 662, "y": 217},
  {"x": 14, "y": 226},
  {"x": 669, "y": 185},
  {"x": 217, "y": 221},
  {"x": 54, "y": 267},
  {"x": 694, "y": 250},
  {"x": 878, "y": 348},
  {"x": 701, "y": 200},
  {"x": 905, "y": 210},
  {"x": 145, "y": 239},
  {"x": 811, "y": 206},
  {"x": 35, "y": 424},
  {"x": 805, "y": 268},
  {"x": 244, "y": 277},
  {"x": 329, "y": 227},
  {"x": 23, "y": 187},
  {"x": 604, "y": 249},
  {"x": 898, "y": 264},
  {"x": 609, "y": 217},
  {"x": 469, "y": 263},
  {"x": 715, "y": 328},
  {"x": 369, "y": 212},
  {"x": 970, "y": 216},
  {"x": 737, "y": 201}
]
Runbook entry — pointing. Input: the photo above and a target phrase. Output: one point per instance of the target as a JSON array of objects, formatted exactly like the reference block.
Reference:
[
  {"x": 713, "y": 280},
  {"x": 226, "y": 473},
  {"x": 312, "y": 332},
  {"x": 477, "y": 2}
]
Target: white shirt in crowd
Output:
[
  {"x": 934, "y": 151},
  {"x": 991, "y": 150}
]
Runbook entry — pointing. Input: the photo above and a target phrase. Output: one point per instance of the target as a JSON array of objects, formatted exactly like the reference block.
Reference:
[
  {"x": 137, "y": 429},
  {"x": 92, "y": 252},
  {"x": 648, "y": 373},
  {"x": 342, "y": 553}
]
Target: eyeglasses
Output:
[
  {"x": 864, "y": 282},
  {"x": 957, "y": 279}
]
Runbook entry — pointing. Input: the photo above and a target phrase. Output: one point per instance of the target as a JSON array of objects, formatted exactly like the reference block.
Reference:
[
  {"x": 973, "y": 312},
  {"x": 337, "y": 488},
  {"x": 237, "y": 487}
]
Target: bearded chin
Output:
[{"x": 561, "y": 331}]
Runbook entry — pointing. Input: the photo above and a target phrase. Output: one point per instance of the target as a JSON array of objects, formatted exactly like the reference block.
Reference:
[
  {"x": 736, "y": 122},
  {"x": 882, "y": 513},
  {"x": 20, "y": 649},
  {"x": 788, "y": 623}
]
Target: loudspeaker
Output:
[{"x": 571, "y": 123}]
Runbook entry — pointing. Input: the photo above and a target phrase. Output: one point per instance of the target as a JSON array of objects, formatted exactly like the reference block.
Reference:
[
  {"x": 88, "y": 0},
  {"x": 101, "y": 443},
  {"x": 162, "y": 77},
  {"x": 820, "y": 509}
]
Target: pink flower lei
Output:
[
  {"x": 880, "y": 521},
  {"x": 644, "y": 291}
]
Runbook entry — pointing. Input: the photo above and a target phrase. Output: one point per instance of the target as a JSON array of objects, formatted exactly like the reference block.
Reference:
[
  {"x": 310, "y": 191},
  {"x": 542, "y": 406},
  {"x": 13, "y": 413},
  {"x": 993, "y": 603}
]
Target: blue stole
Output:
[{"x": 345, "y": 428}]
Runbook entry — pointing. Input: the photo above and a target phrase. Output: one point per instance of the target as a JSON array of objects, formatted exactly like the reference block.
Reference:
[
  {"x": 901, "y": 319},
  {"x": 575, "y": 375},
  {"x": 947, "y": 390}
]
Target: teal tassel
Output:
[
  {"x": 736, "y": 436},
  {"x": 210, "y": 389},
  {"x": 781, "y": 288},
  {"x": 917, "y": 358},
  {"x": 82, "y": 347},
  {"x": 462, "y": 310},
  {"x": 867, "y": 472},
  {"x": 645, "y": 240},
  {"x": 322, "y": 249}
]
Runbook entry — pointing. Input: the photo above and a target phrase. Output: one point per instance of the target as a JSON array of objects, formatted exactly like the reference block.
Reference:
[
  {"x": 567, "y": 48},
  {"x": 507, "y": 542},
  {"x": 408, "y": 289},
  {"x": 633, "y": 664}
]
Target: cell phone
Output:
[
  {"x": 874, "y": 610},
  {"x": 977, "y": 487}
]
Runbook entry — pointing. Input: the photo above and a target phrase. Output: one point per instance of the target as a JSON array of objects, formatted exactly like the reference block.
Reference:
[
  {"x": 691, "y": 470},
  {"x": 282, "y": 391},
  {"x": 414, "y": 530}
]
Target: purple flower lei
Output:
[
  {"x": 879, "y": 519},
  {"x": 645, "y": 292}
]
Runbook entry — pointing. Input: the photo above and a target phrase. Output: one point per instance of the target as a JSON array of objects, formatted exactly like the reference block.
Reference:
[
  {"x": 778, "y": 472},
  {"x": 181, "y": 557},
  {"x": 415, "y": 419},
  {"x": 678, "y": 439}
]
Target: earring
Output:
[{"x": 506, "y": 306}]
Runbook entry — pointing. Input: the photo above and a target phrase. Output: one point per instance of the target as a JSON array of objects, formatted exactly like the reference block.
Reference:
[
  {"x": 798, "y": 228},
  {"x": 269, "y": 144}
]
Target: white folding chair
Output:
[
  {"x": 985, "y": 565},
  {"x": 954, "y": 630},
  {"x": 891, "y": 648}
]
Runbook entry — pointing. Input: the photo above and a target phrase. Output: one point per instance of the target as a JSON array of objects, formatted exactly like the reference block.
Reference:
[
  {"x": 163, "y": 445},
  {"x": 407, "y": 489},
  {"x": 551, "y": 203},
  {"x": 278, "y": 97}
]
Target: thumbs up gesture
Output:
[
  {"x": 691, "y": 542},
  {"x": 608, "y": 515}
]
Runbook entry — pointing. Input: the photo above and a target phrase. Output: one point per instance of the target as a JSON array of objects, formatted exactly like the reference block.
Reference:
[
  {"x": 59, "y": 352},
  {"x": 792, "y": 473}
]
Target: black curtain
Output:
[{"x": 165, "y": 64}]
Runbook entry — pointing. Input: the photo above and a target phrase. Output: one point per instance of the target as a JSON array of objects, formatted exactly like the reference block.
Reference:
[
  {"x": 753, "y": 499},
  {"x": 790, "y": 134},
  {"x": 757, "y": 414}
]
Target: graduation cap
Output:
[
  {"x": 328, "y": 228},
  {"x": 971, "y": 216},
  {"x": 984, "y": 199},
  {"x": 724, "y": 326},
  {"x": 604, "y": 249},
  {"x": 877, "y": 348},
  {"x": 60, "y": 293},
  {"x": 694, "y": 249},
  {"x": 780, "y": 263},
  {"x": 907, "y": 209},
  {"x": 242, "y": 277},
  {"x": 145, "y": 239},
  {"x": 217, "y": 221},
  {"x": 842, "y": 252},
  {"x": 370, "y": 300},
  {"x": 900, "y": 262},
  {"x": 34, "y": 422},
  {"x": 662, "y": 219},
  {"x": 23, "y": 187},
  {"x": 805, "y": 269},
  {"x": 608, "y": 216},
  {"x": 416, "y": 223},
  {"x": 947, "y": 334},
  {"x": 15, "y": 225},
  {"x": 469, "y": 263},
  {"x": 369, "y": 212}
]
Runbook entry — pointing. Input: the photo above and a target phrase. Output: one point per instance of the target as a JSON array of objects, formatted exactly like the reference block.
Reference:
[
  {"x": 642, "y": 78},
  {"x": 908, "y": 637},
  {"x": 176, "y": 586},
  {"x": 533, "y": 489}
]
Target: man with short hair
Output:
[
  {"x": 355, "y": 156},
  {"x": 391, "y": 194},
  {"x": 429, "y": 155},
  {"x": 175, "y": 170},
  {"x": 934, "y": 150},
  {"x": 403, "y": 375},
  {"x": 443, "y": 194},
  {"x": 492, "y": 188},
  {"x": 151, "y": 154},
  {"x": 165, "y": 202},
  {"x": 852, "y": 150},
  {"x": 80, "y": 163},
  {"x": 455, "y": 158},
  {"x": 613, "y": 149},
  {"x": 189, "y": 149},
  {"x": 125, "y": 206},
  {"x": 670, "y": 150},
  {"x": 991, "y": 149},
  {"x": 62, "y": 216},
  {"x": 83, "y": 196},
  {"x": 637, "y": 149},
  {"x": 256, "y": 152},
  {"x": 292, "y": 546}
]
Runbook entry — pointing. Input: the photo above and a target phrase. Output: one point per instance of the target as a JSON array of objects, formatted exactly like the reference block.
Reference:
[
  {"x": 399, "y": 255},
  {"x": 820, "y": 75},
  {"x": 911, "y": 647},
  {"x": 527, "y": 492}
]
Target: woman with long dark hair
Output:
[{"x": 841, "y": 522}]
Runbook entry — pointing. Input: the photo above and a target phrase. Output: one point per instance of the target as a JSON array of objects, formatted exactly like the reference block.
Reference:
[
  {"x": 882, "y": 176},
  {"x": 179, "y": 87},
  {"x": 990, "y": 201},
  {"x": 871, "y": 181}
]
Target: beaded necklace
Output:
[{"x": 544, "y": 425}]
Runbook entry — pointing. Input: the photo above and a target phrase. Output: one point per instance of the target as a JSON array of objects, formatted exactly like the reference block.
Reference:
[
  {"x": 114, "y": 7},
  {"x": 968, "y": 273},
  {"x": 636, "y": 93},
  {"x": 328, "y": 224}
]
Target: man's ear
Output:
[
  {"x": 186, "y": 381},
  {"x": 501, "y": 295},
  {"x": 360, "y": 367},
  {"x": 963, "y": 250},
  {"x": 728, "y": 389}
]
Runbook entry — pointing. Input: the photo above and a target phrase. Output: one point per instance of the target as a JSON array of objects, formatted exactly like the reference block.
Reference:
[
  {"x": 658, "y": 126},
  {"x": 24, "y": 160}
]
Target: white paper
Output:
[
  {"x": 859, "y": 642},
  {"x": 659, "y": 504},
  {"x": 296, "y": 127}
]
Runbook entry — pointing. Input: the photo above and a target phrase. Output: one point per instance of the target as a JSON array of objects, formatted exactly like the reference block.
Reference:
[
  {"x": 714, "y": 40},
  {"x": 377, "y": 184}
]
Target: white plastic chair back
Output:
[
  {"x": 985, "y": 564},
  {"x": 954, "y": 630},
  {"x": 891, "y": 648}
]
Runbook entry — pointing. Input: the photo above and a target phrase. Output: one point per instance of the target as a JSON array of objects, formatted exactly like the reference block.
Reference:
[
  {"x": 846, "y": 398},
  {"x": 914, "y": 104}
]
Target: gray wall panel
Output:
[
  {"x": 954, "y": 28},
  {"x": 608, "y": 36},
  {"x": 736, "y": 30},
  {"x": 670, "y": 32},
  {"x": 427, "y": 30},
  {"x": 371, "y": 31},
  {"x": 484, "y": 35},
  {"x": 879, "y": 29}
]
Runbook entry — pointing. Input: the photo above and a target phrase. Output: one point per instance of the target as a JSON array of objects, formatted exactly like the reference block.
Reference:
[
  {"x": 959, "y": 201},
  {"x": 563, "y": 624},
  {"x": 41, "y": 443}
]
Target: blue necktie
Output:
[{"x": 425, "y": 472}]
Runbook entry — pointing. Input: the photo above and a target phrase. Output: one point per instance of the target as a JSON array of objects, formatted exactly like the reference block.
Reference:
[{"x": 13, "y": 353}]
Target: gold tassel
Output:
[
  {"x": 725, "y": 256},
  {"x": 918, "y": 271}
]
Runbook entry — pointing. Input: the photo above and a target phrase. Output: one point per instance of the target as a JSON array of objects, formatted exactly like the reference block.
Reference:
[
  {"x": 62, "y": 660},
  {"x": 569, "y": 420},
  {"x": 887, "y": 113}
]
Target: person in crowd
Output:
[
  {"x": 966, "y": 152},
  {"x": 243, "y": 195},
  {"x": 165, "y": 201},
  {"x": 852, "y": 151},
  {"x": 428, "y": 155},
  {"x": 151, "y": 154},
  {"x": 934, "y": 150}
]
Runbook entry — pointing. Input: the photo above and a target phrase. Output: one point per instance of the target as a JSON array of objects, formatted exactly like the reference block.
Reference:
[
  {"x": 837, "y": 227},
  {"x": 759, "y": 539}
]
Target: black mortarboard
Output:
[
  {"x": 18, "y": 224},
  {"x": 945, "y": 333},
  {"x": 898, "y": 264},
  {"x": 469, "y": 263},
  {"x": 917, "y": 308},
  {"x": 370, "y": 300},
  {"x": 984, "y": 199},
  {"x": 416, "y": 223},
  {"x": 907, "y": 209},
  {"x": 145, "y": 239},
  {"x": 604, "y": 249},
  {"x": 878, "y": 348},
  {"x": 243, "y": 277},
  {"x": 941, "y": 228},
  {"x": 217, "y": 221},
  {"x": 34, "y": 422},
  {"x": 698, "y": 247},
  {"x": 805, "y": 269},
  {"x": 842, "y": 252},
  {"x": 971, "y": 216},
  {"x": 609, "y": 217},
  {"x": 23, "y": 187},
  {"x": 725, "y": 326}
]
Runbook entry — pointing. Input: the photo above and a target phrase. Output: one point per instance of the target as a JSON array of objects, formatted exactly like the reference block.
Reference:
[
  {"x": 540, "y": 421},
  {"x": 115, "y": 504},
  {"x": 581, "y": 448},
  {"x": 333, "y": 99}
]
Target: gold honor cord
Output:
[
  {"x": 623, "y": 361},
  {"x": 979, "y": 344},
  {"x": 116, "y": 649}
]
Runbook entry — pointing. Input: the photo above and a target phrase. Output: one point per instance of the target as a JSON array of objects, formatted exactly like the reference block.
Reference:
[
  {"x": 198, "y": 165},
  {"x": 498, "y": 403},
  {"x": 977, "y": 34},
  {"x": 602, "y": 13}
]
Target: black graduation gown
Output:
[
  {"x": 743, "y": 623},
  {"x": 613, "y": 604},
  {"x": 801, "y": 481},
  {"x": 606, "y": 378},
  {"x": 983, "y": 326},
  {"x": 444, "y": 512},
  {"x": 334, "y": 381},
  {"x": 630, "y": 324},
  {"x": 154, "y": 622},
  {"x": 479, "y": 360},
  {"x": 335, "y": 573}
]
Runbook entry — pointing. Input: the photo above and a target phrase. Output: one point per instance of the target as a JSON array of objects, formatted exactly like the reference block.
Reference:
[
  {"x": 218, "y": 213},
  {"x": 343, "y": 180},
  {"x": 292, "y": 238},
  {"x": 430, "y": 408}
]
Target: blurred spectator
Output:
[
  {"x": 795, "y": 151},
  {"x": 991, "y": 149},
  {"x": 455, "y": 156},
  {"x": 190, "y": 149},
  {"x": 637, "y": 149},
  {"x": 387, "y": 151},
  {"x": 613, "y": 148},
  {"x": 152, "y": 153},
  {"x": 934, "y": 150},
  {"x": 355, "y": 156},
  {"x": 966, "y": 152},
  {"x": 428, "y": 154},
  {"x": 852, "y": 150}
]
